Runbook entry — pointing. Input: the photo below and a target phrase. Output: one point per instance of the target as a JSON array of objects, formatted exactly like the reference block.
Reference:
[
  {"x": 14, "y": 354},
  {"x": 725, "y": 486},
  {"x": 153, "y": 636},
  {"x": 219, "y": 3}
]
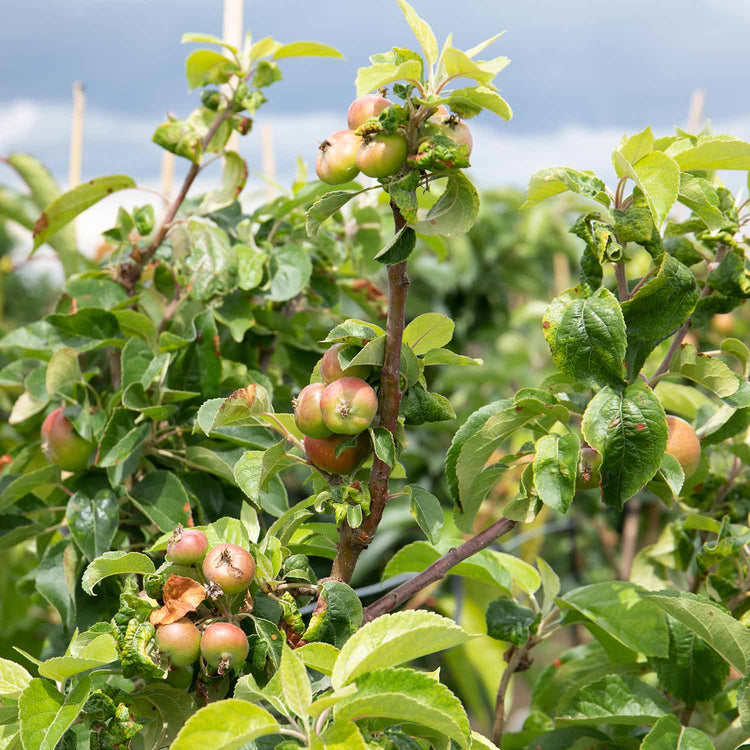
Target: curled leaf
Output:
[{"x": 181, "y": 595}]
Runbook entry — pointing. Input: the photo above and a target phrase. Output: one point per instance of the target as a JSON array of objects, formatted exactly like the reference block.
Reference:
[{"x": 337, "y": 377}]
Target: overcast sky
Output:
[{"x": 583, "y": 72}]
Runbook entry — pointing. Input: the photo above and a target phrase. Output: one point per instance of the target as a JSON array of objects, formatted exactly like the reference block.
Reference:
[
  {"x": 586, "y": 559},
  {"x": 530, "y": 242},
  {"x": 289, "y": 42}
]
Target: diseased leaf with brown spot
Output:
[{"x": 181, "y": 595}]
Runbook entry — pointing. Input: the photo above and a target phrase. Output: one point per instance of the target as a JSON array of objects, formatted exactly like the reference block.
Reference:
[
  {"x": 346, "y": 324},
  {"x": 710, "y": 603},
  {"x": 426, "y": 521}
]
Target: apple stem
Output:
[{"x": 352, "y": 542}]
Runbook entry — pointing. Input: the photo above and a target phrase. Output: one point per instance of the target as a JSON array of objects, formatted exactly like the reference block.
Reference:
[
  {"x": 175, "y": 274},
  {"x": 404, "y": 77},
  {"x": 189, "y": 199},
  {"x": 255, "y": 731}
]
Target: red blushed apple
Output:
[
  {"x": 683, "y": 444},
  {"x": 224, "y": 645},
  {"x": 180, "y": 641},
  {"x": 348, "y": 406},
  {"x": 337, "y": 158},
  {"x": 307, "y": 413},
  {"x": 187, "y": 546},
  {"x": 330, "y": 367},
  {"x": 362, "y": 109},
  {"x": 62, "y": 444},
  {"x": 322, "y": 453},
  {"x": 229, "y": 566}
]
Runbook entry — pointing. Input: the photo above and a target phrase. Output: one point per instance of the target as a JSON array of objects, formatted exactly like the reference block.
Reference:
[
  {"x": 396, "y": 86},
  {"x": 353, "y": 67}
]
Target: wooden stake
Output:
[
  {"x": 697, "y": 105},
  {"x": 232, "y": 33},
  {"x": 167, "y": 173},
  {"x": 76, "y": 135}
]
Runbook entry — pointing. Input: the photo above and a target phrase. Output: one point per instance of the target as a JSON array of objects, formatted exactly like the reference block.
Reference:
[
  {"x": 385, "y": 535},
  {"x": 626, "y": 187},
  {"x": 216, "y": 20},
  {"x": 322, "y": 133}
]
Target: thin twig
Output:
[
  {"x": 622, "y": 282},
  {"x": 437, "y": 570},
  {"x": 498, "y": 726}
]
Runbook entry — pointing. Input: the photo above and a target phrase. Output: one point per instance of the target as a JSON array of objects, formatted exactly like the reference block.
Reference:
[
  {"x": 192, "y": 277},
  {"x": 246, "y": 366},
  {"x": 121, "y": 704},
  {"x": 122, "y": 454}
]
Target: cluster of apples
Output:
[
  {"x": 346, "y": 153},
  {"x": 222, "y": 645},
  {"x": 340, "y": 408}
]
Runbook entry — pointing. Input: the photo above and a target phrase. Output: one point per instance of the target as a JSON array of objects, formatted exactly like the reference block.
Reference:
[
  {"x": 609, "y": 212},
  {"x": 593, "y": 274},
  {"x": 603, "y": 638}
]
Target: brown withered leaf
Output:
[{"x": 181, "y": 595}]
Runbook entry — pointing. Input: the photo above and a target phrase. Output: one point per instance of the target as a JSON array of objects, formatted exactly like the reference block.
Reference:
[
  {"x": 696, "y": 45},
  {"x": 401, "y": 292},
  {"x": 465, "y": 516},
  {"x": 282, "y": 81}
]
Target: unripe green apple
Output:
[
  {"x": 180, "y": 677},
  {"x": 382, "y": 155},
  {"x": 337, "y": 158},
  {"x": 322, "y": 453},
  {"x": 224, "y": 645},
  {"x": 307, "y": 414},
  {"x": 348, "y": 406},
  {"x": 588, "y": 469},
  {"x": 187, "y": 546},
  {"x": 683, "y": 444},
  {"x": 330, "y": 367},
  {"x": 62, "y": 445},
  {"x": 180, "y": 641},
  {"x": 229, "y": 566},
  {"x": 362, "y": 109}
]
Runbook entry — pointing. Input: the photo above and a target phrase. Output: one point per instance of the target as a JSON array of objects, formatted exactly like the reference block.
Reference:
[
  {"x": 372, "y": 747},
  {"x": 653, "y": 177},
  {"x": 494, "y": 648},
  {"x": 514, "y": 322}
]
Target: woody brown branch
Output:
[{"x": 352, "y": 542}]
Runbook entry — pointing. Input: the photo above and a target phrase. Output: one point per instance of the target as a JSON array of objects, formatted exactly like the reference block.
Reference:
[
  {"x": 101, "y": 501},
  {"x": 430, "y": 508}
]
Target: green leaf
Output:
[
  {"x": 620, "y": 609},
  {"x": 709, "y": 372},
  {"x": 291, "y": 269},
  {"x": 46, "y": 714},
  {"x": 700, "y": 196},
  {"x": 325, "y": 206},
  {"x": 635, "y": 148},
  {"x": 381, "y": 74},
  {"x": 393, "y": 639},
  {"x": 206, "y": 66},
  {"x": 295, "y": 684},
  {"x": 548, "y": 182},
  {"x": 419, "y": 406},
  {"x": 62, "y": 369},
  {"x": 122, "y": 440},
  {"x": 318, "y": 656},
  {"x": 629, "y": 430},
  {"x": 717, "y": 152},
  {"x": 426, "y": 510},
  {"x": 305, "y": 49},
  {"x": 63, "y": 209},
  {"x": 709, "y": 621},
  {"x": 97, "y": 652},
  {"x": 616, "y": 699},
  {"x": 405, "y": 695},
  {"x": 586, "y": 335},
  {"x": 681, "y": 399},
  {"x": 510, "y": 622},
  {"x": 458, "y": 64},
  {"x": 337, "y": 615},
  {"x": 469, "y": 102},
  {"x": 241, "y": 408},
  {"x": 167, "y": 707},
  {"x": 472, "y": 446},
  {"x": 657, "y": 310},
  {"x": 555, "y": 469},
  {"x": 383, "y": 445},
  {"x": 422, "y": 32},
  {"x": 233, "y": 180},
  {"x": 44, "y": 190},
  {"x": 455, "y": 211},
  {"x": 14, "y": 679},
  {"x": 206, "y": 39},
  {"x": 351, "y": 331},
  {"x": 161, "y": 497},
  {"x": 399, "y": 248},
  {"x": 93, "y": 521},
  {"x": 56, "y": 580},
  {"x": 428, "y": 331},
  {"x": 225, "y": 725},
  {"x": 692, "y": 671},
  {"x": 211, "y": 261},
  {"x": 13, "y": 487},
  {"x": 112, "y": 564},
  {"x": 669, "y": 734},
  {"x": 251, "y": 262},
  {"x": 658, "y": 177},
  {"x": 342, "y": 735},
  {"x": 469, "y": 428}
]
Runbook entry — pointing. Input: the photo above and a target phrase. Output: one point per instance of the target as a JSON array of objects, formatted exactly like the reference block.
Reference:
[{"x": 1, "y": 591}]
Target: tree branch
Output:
[
  {"x": 682, "y": 332},
  {"x": 622, "y": 282},
  {"x": 131, "y": 274},
  {"x": 498, "y": 726},
  {"x": 437, "y": 570},
  {"x": 353, "y": 541}
]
